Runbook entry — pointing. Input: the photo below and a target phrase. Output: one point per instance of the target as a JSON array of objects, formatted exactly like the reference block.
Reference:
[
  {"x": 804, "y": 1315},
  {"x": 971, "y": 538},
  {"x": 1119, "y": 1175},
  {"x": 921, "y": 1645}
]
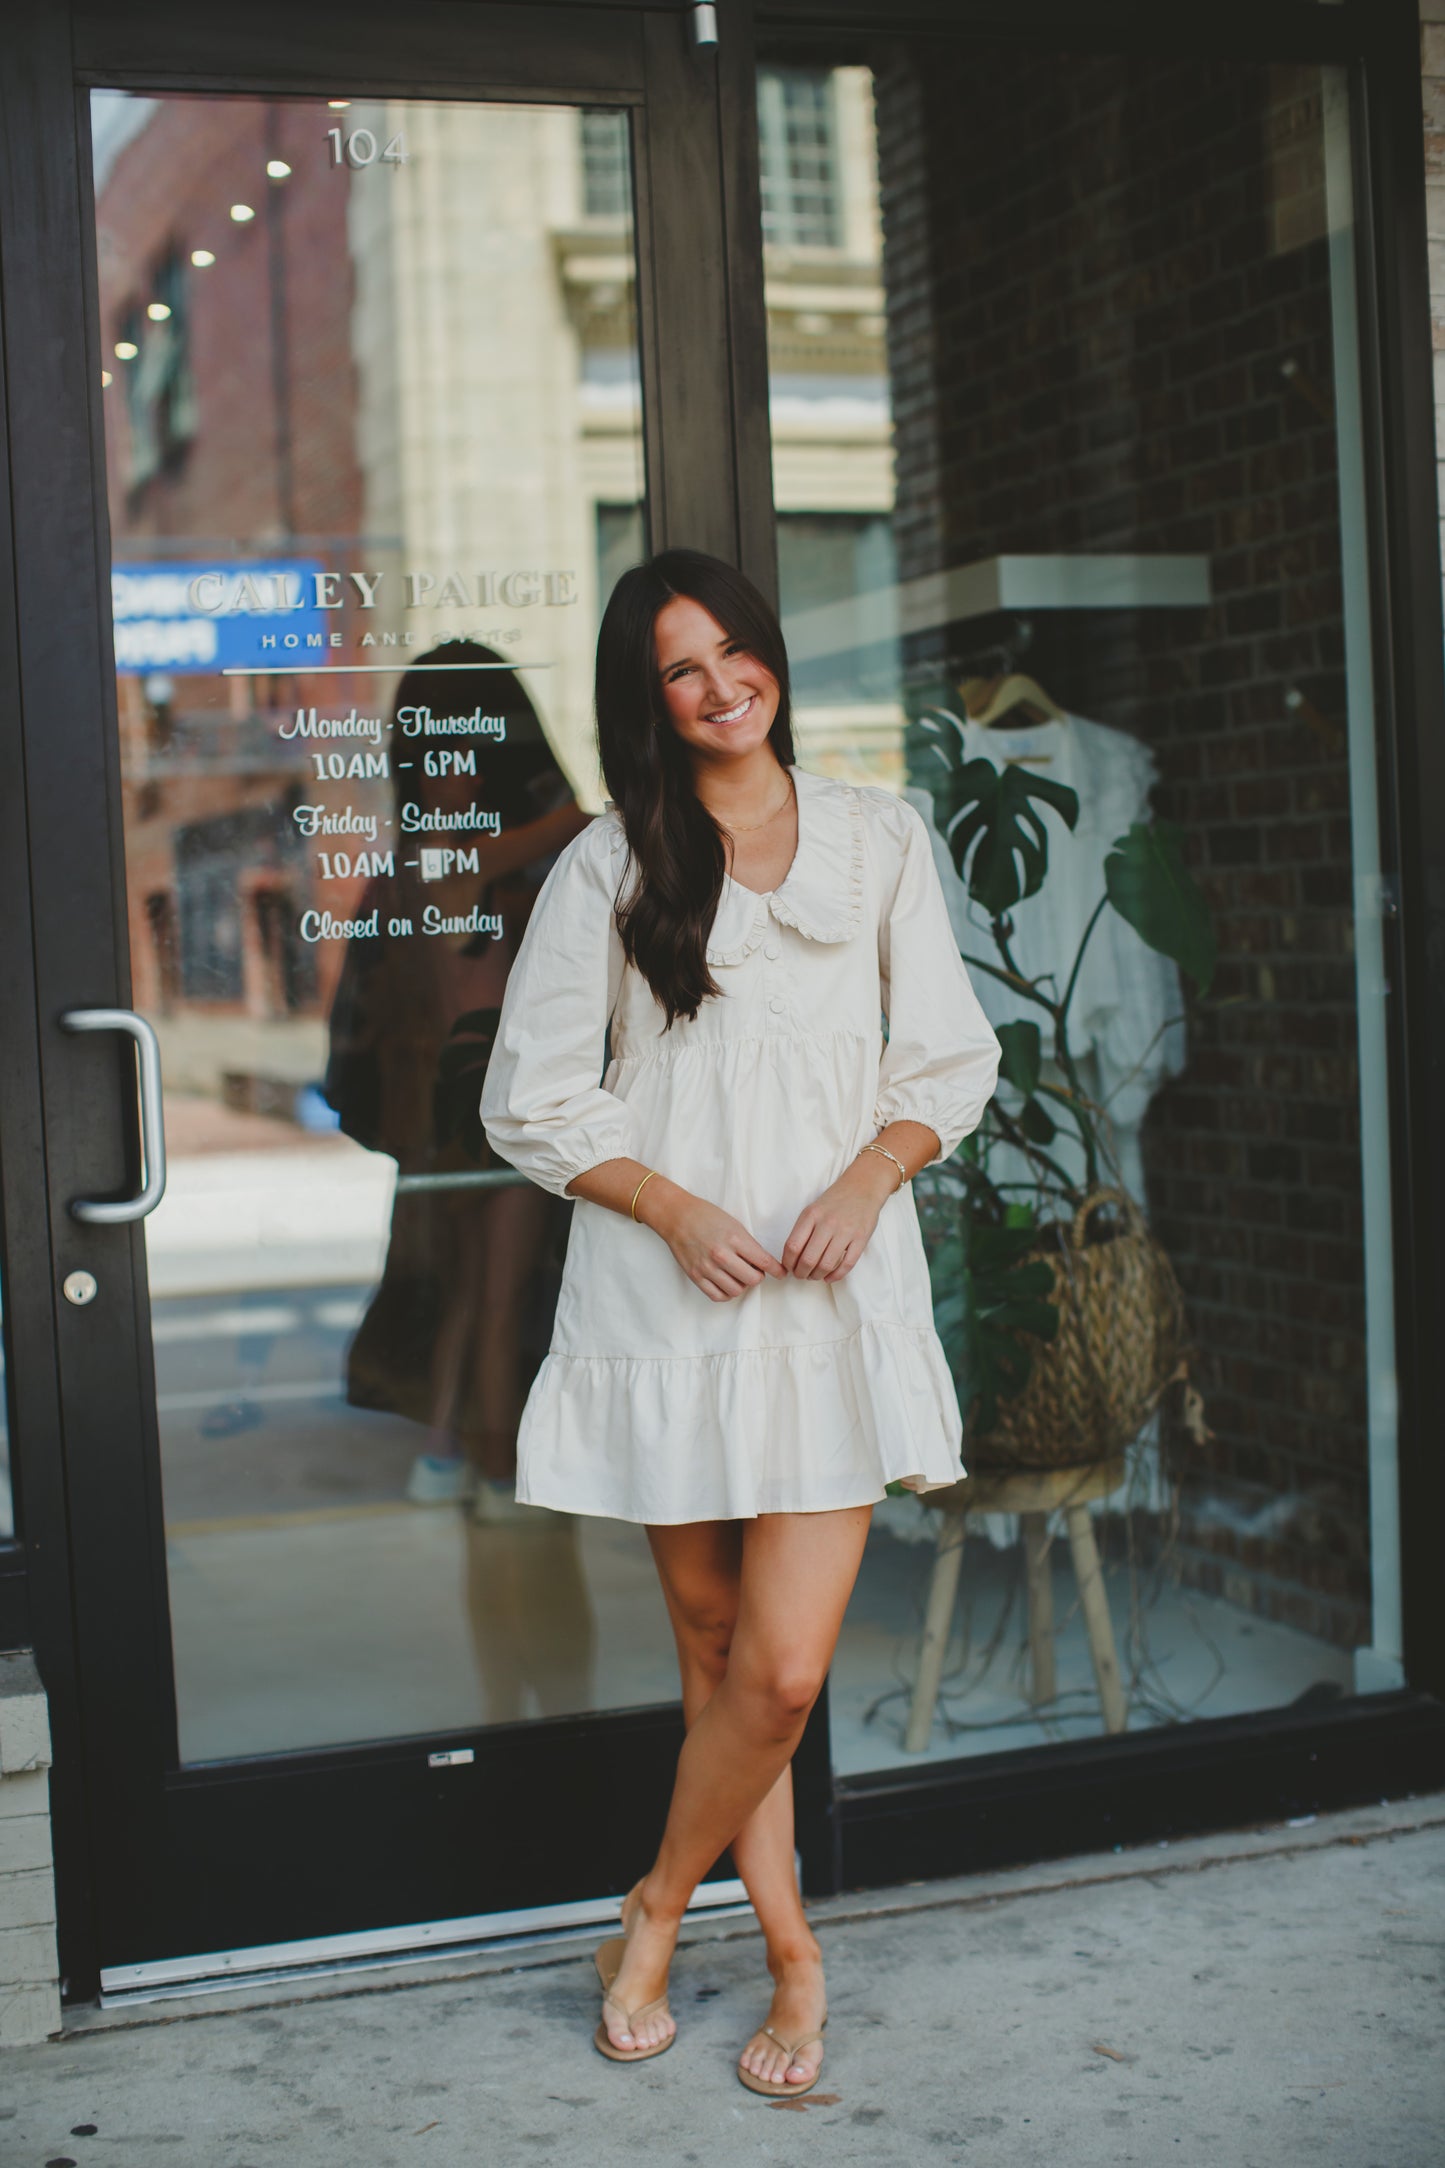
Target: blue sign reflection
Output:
[{"x": 205, "y": 615}]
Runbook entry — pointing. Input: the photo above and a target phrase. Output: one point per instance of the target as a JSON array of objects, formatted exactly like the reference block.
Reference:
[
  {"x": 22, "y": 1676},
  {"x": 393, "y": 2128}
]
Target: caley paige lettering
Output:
[{"x": 264, "y": 594}]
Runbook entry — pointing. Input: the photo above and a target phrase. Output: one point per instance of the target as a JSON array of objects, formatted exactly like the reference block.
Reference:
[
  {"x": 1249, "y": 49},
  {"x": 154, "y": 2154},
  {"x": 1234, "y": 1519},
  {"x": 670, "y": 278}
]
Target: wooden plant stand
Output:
[{"x": 1033, "y": 1494}]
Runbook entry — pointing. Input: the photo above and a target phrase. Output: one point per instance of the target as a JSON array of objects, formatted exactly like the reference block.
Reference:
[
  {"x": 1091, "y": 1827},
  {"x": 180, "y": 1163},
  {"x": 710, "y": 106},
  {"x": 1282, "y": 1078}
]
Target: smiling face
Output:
[{"x": 718, "y": 697}]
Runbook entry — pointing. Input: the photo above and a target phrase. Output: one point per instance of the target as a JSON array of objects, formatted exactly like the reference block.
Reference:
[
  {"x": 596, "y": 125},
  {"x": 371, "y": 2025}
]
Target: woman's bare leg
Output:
[
  {"x": 797, "y": 1573},
  {"x": 700, "y": 1568}
]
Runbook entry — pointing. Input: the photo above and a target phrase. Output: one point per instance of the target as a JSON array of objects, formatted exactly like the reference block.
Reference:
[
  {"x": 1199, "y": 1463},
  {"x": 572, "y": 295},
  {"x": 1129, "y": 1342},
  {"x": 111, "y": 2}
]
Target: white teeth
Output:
[{"x": 731, "y": 715}]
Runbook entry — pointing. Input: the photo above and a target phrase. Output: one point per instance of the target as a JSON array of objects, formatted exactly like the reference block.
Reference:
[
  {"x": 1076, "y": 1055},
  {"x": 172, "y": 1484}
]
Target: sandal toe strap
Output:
[
  {"x": 790, "y": 2047},
  {"x": 632, "y": 2018}
]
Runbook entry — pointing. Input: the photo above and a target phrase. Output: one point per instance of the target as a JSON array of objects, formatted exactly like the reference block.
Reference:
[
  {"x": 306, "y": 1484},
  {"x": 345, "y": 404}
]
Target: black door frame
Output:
[{"x": 130, "y": 1827}]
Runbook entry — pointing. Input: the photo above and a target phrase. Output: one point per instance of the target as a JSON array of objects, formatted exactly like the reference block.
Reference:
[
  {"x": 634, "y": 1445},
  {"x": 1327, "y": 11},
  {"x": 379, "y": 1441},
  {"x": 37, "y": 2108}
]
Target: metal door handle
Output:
[{"x": 152, "y": 1126}]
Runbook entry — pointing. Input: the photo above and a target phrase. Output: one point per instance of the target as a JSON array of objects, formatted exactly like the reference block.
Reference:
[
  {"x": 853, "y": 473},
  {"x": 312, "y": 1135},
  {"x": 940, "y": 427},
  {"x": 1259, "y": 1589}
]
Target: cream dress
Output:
[{"x": 656, "y": 1403}]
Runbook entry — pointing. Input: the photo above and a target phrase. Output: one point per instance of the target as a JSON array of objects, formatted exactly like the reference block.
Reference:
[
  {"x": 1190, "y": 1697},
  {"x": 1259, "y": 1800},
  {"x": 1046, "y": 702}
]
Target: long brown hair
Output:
[{"x": 676, "y": 845}]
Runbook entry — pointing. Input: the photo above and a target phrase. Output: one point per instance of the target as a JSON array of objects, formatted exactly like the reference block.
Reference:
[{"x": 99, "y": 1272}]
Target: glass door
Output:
[
  {"x": 377, "y": 418},
  {"x": 372, "y": 416}
]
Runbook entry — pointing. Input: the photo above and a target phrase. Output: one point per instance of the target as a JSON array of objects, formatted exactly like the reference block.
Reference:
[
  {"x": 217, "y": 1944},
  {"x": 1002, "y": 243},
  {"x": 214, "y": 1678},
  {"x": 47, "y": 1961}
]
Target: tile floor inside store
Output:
[
  {"x": 312, "y": 1604},
  {"x": 463, "y": 1625}
]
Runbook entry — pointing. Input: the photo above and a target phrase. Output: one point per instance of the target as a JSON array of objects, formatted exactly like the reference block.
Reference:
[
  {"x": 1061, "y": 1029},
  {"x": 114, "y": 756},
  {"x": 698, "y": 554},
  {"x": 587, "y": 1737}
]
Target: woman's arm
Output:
[{"x": 937, "y": 1072}]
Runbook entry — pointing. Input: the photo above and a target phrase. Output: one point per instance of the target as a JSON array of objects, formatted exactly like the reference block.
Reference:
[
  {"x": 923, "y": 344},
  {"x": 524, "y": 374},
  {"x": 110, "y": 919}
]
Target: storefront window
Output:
[
  {"x": 373, "y": 427},
  {"x": 1067, "y": 458}
]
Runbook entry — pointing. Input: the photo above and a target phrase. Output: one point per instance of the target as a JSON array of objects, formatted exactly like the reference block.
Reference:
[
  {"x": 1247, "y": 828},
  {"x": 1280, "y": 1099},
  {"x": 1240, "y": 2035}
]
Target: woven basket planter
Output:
[{"x": 1119, "y": 1344}]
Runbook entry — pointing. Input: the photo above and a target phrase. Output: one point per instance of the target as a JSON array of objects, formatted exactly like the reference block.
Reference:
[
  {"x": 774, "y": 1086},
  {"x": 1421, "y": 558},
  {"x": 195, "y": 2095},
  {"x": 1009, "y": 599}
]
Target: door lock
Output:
[{"x": 79, "y": 1288}]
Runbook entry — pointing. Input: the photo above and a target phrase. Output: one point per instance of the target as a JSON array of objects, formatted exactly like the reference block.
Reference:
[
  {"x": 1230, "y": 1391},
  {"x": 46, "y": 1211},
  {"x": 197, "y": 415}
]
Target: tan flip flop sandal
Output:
[
  {"x": 779, "y": 2088},
  {"x": 608, "y": 1961}
]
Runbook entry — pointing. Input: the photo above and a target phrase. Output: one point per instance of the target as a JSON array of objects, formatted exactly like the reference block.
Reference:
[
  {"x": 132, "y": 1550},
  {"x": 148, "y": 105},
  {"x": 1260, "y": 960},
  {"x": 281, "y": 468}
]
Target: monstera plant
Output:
[{"x": 991, "y": 1284}]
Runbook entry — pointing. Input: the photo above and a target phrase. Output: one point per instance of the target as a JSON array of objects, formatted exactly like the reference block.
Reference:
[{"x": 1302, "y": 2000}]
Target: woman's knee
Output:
[{"x": 782, "y": 1693}]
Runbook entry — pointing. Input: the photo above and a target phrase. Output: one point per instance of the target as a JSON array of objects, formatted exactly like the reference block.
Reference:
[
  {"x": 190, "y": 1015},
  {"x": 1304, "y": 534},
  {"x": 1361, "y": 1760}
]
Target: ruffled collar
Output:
[{"x": 821, "y": 895}]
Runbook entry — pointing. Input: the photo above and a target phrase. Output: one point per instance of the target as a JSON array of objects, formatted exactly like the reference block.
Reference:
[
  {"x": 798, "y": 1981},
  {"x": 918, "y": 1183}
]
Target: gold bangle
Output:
[
  {"x": 640, "y": 1188},
  {"x": 883, "y": 1149}
]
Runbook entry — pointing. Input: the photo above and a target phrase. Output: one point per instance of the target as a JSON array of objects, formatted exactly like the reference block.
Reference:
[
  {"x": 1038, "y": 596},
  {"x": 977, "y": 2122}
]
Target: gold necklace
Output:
[{"x": 734, "y": 829}]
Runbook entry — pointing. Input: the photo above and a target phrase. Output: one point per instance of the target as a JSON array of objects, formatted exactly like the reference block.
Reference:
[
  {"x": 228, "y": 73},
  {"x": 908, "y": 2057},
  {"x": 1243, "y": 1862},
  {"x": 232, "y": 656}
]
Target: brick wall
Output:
[
  {"x": 286, "y": 280},
  {"x": 29, "y": 1972},
  {"x": 1110, "y": 330}
]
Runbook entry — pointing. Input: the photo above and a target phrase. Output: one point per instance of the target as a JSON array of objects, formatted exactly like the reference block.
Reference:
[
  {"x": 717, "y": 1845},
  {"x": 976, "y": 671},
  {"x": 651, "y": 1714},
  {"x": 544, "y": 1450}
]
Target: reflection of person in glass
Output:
[
  {"x": 744, "y": 1352},
  {"x": 458, "y": 1324}
]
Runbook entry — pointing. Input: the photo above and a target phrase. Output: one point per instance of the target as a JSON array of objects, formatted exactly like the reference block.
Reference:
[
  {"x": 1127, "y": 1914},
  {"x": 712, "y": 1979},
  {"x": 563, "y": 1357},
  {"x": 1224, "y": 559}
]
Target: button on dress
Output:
[{"x": 654, "y": 1402}]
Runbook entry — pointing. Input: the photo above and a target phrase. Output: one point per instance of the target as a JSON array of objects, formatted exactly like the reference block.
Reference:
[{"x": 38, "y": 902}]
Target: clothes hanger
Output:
[
  {"x": 987, "y": 700},
  {"x": 993, "y": 685}
]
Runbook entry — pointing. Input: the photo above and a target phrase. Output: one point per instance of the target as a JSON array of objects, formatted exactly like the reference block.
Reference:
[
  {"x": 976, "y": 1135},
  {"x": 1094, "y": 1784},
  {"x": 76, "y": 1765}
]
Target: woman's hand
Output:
[
  {"x": 715, "y": 1250},
  {"x": 831, "y": 1234}
]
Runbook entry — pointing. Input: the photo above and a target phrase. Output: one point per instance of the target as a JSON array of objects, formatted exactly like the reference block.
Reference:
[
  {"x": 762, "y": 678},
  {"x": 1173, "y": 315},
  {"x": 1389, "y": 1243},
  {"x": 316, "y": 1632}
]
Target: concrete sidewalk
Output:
[{"x": 1256, "y": 2000}]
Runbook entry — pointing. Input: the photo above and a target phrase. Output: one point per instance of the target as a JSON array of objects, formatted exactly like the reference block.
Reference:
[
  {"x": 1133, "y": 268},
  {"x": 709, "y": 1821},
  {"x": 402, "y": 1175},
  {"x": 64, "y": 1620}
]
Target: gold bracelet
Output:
[
  {"x": 902, "y": 1170},
  {"x": 640, "y": 1188}
]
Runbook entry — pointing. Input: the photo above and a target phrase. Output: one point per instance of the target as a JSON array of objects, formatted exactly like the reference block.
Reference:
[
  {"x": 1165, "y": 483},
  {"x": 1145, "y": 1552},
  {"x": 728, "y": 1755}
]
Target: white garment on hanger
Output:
[
  {"x": 1126, "y": 1028},
  {"x": 1127, "y": 1006}
]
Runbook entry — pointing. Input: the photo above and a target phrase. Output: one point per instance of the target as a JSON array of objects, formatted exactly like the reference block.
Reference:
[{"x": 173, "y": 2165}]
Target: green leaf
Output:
[
  {"x": 1006, "y": 833},
  {"x": 1023, "y": 1058},
  {"x": 1150, "y": 886},
  {"x": 1037, "y": 1125},
  {"x": 996, "y": 835},
  {"x": 990, "y": 1302}
]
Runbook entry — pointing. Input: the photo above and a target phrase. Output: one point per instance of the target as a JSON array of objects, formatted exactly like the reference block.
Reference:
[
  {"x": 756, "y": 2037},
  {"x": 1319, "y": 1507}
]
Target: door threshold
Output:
[{"x": 167, "y": 1979}]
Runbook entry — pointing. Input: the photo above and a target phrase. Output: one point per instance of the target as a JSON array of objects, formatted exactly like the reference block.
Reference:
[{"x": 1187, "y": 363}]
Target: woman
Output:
[{"x": 744, "y": 1353}]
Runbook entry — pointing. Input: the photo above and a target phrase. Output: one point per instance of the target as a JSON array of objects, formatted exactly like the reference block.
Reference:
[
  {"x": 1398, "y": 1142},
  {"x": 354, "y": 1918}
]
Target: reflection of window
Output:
[
  {"x": 160, "y": 397},
  {"x": 160, "y": 911},
  {"x": 606, "y": 182},
  {"x": 621, "y": 541},
  {"x": 825, "y": 559},
  {"x": 209, "y": 863},
  {"x": 233, "y": 944},
  {"x": 286, "y": 981},
  {"x": 799, "y": 157}
]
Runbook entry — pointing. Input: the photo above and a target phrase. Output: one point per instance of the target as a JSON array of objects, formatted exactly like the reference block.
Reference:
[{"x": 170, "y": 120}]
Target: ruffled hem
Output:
[{"x": 801, "y": 1429}]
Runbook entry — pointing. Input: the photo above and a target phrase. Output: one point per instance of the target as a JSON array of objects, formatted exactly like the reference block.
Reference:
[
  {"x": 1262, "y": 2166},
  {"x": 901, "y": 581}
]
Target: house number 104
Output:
[{"x": 359, "y": 148}]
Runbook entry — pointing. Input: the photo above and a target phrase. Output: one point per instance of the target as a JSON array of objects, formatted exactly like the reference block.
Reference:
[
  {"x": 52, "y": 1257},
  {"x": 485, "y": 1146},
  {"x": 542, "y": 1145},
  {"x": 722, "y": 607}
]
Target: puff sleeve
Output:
[
  {"x": 941, "y": 1061},
  {"x": 543, "y": 1105}
]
